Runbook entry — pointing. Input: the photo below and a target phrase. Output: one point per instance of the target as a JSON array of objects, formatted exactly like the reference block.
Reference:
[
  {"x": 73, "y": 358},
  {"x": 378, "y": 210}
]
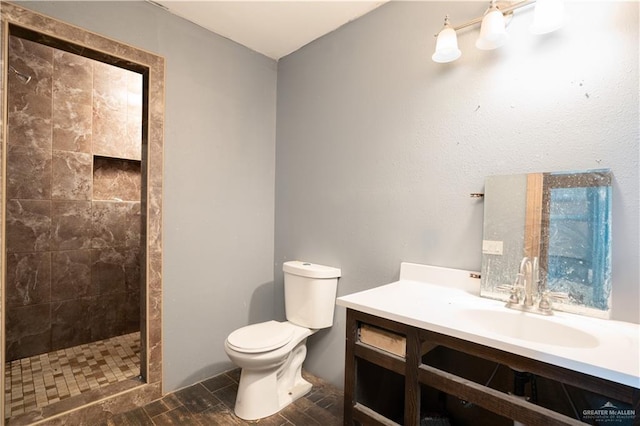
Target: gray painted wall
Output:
[
  {"x": 377, "y": 151},
  {"x": 378, "y": 147},
  {"x": 219, "y": 179}
]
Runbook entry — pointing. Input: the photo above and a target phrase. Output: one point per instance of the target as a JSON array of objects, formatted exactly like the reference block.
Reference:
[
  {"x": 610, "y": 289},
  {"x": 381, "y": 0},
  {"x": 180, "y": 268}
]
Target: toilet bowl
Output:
[{"x": 271, "y": 353}]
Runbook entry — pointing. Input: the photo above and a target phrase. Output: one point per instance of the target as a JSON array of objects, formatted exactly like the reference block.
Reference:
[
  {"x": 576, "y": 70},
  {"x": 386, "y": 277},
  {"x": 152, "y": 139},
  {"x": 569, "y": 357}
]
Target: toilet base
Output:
[
  {"x": 263, "y": 393},
  {"x": 299, "y": 390}
]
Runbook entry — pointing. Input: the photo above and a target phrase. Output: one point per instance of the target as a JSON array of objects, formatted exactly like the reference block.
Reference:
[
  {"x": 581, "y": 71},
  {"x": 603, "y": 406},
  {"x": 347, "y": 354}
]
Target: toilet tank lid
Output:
[{"x": 310, "y": 270}]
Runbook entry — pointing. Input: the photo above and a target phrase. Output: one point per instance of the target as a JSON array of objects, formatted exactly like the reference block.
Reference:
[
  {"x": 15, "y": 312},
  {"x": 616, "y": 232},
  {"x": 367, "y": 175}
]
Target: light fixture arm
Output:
[
  {"x": 505, "y": 10},
  {"x": 548, "y": 17}
]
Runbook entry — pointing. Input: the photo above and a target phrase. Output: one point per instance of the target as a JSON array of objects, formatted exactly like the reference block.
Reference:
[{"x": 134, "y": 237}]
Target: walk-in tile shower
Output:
[{"x": 73, "y": 203}]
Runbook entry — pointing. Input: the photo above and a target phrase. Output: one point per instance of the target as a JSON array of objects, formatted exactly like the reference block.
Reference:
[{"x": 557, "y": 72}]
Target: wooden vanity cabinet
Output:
[{"x": 408, "y": 373}]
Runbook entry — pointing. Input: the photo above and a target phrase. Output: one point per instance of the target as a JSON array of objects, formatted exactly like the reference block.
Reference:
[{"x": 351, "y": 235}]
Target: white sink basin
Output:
[{"x": 529, "y": 327}]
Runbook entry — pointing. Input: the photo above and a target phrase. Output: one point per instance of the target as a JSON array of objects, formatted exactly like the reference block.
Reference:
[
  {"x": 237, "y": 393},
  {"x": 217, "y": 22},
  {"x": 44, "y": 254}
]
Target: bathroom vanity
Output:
[{"x": 393, "y": 330}]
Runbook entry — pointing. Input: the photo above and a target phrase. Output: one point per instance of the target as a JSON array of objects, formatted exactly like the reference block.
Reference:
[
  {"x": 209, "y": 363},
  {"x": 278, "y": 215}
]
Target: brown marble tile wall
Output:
[
  {"x": 73, "y": 200},
  {"x": 117, "y": 125},
  {"x": 115, "y": 179},
  {"x": 72, "y": 102}
]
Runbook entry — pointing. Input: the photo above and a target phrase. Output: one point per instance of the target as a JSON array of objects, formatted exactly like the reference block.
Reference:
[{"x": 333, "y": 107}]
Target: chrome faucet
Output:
[
  {"x": 530, "y": 278},
  {"x": 528, "y": 288}
]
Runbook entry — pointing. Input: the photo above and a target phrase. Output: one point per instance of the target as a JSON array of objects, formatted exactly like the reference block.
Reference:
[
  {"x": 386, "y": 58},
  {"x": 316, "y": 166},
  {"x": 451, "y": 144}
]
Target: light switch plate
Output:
[{"x": 492, "y": 247}]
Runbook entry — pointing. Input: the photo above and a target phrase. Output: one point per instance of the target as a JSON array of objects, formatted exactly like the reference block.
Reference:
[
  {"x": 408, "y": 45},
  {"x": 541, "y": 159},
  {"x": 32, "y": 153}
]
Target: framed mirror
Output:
[{"x": 563, "y": 219}]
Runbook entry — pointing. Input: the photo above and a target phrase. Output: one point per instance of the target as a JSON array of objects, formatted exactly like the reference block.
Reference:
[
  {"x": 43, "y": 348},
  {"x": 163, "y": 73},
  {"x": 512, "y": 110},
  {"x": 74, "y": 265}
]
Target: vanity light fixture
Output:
[
  {"x": 446, "y": 44},
  {"x": 548, "y": 17},
  {"x": 493, "y": 30}
]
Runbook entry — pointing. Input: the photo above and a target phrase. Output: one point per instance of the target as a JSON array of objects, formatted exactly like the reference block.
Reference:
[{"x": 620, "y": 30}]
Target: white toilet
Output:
[{"x": 271, "y": 353}]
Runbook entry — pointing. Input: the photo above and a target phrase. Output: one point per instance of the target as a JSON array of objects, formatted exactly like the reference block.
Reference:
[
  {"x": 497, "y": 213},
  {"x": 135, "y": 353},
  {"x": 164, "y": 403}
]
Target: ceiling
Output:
[{"x": 273, "y": 28}]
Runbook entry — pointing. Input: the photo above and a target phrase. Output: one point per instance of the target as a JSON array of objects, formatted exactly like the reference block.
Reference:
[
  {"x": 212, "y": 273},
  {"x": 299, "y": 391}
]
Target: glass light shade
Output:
[
  {"x": 446, "y": 46},
  {"x": 493, "y": 33},
  {"x": 548, "y": 16}
]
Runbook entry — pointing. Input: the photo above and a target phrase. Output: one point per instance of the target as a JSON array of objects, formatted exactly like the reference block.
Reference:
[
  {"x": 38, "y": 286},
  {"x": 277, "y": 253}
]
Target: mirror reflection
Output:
[{"x": 561, "y": 218}]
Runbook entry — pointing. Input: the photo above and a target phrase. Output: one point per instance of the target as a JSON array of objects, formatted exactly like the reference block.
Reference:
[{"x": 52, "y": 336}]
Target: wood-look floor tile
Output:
[
  {"x": 180, "y": 416},
  {"x": 318, "y": 393},
  {"x": 136, "y": 417},
  {"x": 219, "y": 415},
  {"x": 218, "y": 382},
  {"x": 333, "y": 404},
  {"x": 234, "y": 374},
  {"x": 228, "y": 395},
  {"x": 297, "y": 416},
  {"x": 275, "y": 420},
  {"x": 323, "y": 416},
  {"x": 198, "y": 406},
  {"x": 163, "y": 405},
  {"x": 171, "y": 401},
  {"x": 303, "y": 403},
  {"x": 197, "y": 398}
]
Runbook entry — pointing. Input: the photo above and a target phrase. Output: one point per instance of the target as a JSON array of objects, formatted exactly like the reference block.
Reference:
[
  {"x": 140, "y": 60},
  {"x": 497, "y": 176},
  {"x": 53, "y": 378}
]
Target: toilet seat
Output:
[{"x": 261, "y": 337}]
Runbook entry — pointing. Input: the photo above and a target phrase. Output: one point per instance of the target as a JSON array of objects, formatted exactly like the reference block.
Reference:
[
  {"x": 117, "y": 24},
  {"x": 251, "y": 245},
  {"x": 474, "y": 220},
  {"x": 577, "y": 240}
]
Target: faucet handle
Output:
[
  {"x": 513, "y": 292},
  {"x": 547, "y": 296}
]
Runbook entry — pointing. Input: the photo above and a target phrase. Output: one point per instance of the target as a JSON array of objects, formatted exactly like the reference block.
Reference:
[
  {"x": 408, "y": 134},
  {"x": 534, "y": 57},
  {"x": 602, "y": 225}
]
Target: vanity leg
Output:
[
  {"x": 411, "y": 382},
  {"x": 350, "y": 368}
]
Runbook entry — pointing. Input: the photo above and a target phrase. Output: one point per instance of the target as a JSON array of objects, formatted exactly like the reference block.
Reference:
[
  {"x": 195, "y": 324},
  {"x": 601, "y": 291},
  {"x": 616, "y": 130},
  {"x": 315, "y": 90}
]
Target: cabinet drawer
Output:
[{"x": 383, "y": 339}]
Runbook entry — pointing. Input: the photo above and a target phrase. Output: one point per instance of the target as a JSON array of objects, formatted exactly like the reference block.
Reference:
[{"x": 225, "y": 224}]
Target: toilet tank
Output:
[{"x": 310, "y": 293}]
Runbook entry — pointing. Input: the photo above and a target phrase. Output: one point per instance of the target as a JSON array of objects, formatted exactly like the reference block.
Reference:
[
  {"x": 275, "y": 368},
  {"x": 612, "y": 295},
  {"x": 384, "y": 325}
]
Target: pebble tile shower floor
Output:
[{"x": 44, "y": 379}]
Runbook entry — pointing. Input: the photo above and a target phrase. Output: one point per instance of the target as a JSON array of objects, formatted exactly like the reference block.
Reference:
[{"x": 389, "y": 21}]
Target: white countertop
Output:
[{"x": 445, "y": 301}]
